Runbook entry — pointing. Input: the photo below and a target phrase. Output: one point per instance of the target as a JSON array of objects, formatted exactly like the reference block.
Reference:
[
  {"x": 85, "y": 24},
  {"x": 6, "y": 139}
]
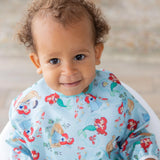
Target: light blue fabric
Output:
[{"x": 104, "y": 123}]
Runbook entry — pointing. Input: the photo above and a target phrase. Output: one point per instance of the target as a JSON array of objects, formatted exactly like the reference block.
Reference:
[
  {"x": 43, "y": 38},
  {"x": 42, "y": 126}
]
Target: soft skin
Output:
[{"x": 66, "y": 55}]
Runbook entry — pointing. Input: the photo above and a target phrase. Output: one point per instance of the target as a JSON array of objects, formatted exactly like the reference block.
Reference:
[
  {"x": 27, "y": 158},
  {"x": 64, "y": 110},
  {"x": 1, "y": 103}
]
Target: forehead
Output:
[
  {"x": 49, "y": 30},
  {"x": 66, "y": 20},
  {"x": 50, "y": 23}
]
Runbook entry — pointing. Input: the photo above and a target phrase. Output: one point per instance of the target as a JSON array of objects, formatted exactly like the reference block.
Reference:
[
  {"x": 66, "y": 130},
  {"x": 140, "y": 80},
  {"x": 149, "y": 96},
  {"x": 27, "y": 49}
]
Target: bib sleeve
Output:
[
  {"x": 18, "y": 144},
  {"x": 137, "y": 143}
]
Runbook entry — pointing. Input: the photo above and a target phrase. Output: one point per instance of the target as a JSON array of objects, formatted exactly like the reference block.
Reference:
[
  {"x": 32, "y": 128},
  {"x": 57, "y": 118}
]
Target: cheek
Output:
[
  {"x": 90, "y": 72},
  {"x": 91, "y": 65},
  {"x": 92, "y": 61},
  {"x": 51, "y": 78}
]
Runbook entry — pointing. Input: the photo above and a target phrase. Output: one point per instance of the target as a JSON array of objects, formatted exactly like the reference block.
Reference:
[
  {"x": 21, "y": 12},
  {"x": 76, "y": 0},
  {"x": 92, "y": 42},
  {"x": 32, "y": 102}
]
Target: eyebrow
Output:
[
  {"x": 79, "y": 50},
  {"x": 72, "y": 51}
]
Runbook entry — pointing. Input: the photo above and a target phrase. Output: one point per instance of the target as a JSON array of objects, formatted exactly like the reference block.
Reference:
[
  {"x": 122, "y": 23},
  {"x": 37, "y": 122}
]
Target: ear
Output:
[
  {"x": 35, "y": 60},
  {"x": 98, "y": 52}
]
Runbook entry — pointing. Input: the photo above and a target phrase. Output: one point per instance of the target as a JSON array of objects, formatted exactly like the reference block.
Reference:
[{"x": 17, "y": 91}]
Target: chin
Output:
[{"x": 71, "y": 93}]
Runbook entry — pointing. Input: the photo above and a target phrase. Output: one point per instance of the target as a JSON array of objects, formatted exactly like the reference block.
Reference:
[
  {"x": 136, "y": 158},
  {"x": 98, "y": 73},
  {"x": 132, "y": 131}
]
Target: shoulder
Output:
[
  {"x": 21, "y": 106},
  {"x": 114, "y": 90},
  {"x": 105, "y": 83},
  {"x": 107, "y": 75},
  {"x": 113, "y": 85}
]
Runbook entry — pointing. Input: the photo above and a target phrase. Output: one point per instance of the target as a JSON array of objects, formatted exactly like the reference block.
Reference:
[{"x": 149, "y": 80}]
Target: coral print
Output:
[
  {"x": 54, "y": 98},
  {"x": 92, "y": 139},
  {"x": 81, "y": 153}
]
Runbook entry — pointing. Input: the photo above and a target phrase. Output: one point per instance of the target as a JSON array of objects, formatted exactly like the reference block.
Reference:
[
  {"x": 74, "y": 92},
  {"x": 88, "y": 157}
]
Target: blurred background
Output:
[{"x": 132, "y": 50}]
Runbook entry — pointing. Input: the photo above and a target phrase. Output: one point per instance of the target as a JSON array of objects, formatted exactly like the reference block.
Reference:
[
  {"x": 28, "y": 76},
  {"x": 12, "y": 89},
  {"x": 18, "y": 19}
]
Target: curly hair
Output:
[{"x": 65, "y": 12}]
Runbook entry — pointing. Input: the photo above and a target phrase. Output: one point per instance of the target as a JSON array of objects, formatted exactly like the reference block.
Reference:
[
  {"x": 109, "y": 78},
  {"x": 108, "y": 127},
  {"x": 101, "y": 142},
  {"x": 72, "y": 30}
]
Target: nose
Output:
[{"x": 68, "y": 69}]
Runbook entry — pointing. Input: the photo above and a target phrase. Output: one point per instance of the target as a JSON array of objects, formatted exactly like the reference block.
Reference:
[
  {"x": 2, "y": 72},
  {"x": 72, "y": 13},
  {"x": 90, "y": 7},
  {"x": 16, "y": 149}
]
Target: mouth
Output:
[{"x": 72, "y": 84}]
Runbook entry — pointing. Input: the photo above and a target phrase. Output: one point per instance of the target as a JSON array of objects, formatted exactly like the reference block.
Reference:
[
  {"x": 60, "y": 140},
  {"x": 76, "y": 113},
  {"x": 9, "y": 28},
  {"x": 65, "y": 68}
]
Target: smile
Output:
[{"x": 73, "y": 84}]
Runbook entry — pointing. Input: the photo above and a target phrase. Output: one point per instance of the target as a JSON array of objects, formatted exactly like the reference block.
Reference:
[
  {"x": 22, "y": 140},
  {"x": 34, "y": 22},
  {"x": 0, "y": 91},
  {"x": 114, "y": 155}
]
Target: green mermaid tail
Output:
[
  {"x": 60, "y": 103},
  {"x": 113, "y": 85},
  {"x": 89, "y": 128}
]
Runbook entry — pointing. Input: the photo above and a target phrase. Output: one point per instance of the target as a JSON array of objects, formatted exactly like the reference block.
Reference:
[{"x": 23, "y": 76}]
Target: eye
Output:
[
  {"x": 62, "y": 139},
  {"x": 91, "y": 99},
  {"x": 79, "y": 57},
  {"x": 28, "y": 131},
  {"x": 20, "y": 107},
  {"x": 54, "y": 61}
]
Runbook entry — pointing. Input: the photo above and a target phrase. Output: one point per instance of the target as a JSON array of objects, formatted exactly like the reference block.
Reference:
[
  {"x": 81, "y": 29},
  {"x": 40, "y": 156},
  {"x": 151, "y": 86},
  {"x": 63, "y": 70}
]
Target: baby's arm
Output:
[
  {"x": 18, "y": 148},
  {"x": 136, "y": 141},
  {"x": 16, "y": 140}
]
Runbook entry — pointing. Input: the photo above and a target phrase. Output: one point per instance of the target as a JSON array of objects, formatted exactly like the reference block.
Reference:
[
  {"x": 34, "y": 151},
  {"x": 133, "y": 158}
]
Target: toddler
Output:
[{"x": 74, "y": 112}]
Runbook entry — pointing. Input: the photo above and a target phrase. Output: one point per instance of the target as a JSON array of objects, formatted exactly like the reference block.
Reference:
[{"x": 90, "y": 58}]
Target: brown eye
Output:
[
  {"x": 79, "y": 57},
  {"x": 54, "y": 61}
]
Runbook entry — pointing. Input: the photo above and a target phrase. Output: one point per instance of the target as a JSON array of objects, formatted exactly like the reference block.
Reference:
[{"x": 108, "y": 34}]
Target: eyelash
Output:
[
  {"x": 78, "y": 57},
  {"x": 54, "y": 61}
]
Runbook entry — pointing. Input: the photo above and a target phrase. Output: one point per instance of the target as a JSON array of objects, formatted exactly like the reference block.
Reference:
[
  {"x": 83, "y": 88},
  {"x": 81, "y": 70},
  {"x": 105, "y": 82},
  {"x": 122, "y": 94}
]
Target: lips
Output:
[{"x": 71, "y": 84}]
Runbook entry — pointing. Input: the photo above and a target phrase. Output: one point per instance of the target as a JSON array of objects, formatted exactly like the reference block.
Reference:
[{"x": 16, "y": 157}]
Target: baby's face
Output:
[{"x": 66, "y": 56}]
